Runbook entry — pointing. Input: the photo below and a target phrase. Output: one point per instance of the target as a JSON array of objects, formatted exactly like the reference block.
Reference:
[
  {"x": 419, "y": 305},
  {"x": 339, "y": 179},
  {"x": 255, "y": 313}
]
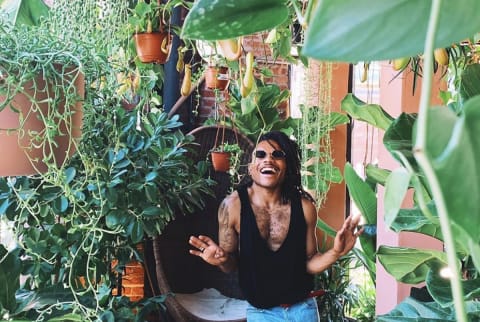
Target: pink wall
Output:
[{"x": 396, "y": 97}]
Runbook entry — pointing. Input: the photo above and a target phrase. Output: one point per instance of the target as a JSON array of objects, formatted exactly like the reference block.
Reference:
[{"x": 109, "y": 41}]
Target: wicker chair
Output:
[{"x": 177, "y": 271}]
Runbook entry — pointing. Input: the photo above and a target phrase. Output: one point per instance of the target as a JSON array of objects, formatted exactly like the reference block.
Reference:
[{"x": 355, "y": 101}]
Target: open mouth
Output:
[{"x": 268, "y": 170}]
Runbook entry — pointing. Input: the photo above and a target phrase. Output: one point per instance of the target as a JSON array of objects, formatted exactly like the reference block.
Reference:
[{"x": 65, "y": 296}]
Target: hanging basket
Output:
[
  {"x": 153, "y": 47},
  {"x": 221, "y": 161},
  {"x": 22, "y": 129},
  {"x": 217, "y": 77}
]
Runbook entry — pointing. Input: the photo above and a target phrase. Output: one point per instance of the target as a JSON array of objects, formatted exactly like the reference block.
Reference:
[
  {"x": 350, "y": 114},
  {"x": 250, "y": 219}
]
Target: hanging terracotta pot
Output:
[
  {"x": 220, "y": 161},
  {"x": 217, "y": 77},
  {"x": 153, "y": 47},
  {"x": 22, "y": 132}
]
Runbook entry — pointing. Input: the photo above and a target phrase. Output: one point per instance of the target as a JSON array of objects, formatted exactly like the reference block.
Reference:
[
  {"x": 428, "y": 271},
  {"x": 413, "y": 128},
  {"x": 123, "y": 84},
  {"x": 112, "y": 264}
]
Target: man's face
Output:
[{"x": 268, "y": 166}]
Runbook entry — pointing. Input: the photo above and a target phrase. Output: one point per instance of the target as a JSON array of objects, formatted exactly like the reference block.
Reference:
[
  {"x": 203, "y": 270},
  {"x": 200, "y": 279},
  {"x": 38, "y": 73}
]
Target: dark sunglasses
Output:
[{"x": 276, "y": 154}]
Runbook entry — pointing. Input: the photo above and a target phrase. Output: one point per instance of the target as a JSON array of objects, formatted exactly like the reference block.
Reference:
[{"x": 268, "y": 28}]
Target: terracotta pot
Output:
[
  {"x": 216, "y": 77},
  {"x": 153, "y": 47},
  {"x": 221, "y": 161},
  {"x": 23, "y": 152}
]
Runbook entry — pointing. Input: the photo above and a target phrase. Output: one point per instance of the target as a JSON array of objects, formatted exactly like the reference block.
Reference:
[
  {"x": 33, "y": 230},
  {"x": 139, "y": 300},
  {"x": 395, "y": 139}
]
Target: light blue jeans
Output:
[{"x": 305, "y": 311}]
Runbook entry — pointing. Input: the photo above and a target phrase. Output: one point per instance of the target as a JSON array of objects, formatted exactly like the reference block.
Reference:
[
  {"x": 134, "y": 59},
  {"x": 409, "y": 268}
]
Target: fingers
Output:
[{"x": 200, "y": 243}]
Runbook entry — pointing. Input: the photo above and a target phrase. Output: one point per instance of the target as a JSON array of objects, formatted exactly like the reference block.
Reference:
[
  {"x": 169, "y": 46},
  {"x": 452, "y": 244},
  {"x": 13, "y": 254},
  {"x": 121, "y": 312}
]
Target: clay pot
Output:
[
  {"x": 24, "y": 153},
  {"x": 153, "y": 47},
  {"x": 221, "y": 161},
  {"x": 216, "y": 77}
]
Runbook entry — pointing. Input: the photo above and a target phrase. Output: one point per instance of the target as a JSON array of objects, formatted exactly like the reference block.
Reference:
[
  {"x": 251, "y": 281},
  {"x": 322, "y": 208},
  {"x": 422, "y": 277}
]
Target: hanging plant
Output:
[
  {"x": 41, "y": 90},
  {"x": 153, "y": 39}
]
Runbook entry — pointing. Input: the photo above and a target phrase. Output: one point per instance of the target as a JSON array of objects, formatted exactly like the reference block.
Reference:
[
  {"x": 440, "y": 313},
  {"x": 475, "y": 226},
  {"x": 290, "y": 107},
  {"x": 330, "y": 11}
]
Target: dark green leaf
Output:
[
  {"x": 10, "y": 270},
  {"x": 152, "y": 211},
  {"x": 361, "y": 193},
  {"x": 414, "y": 220},
  {"x": 413, "y": 310},
  {"x": 376, "y": 175},
  {"x": 367, "y": 30},
  {"x": 440, "y": 289},
  {"x": 398, "y": 137},
  {"x": 135, "y": 231},
  {"x": 410, "y": 265},
  {"x": 373, "y": 114},
  {"x": 212, "y": 20},
  {"x": 454, "y": 146}
]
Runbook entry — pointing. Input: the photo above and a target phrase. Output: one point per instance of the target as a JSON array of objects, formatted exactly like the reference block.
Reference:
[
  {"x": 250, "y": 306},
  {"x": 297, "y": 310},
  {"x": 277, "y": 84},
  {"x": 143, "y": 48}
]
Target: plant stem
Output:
[{"x": 425, "y": 162}]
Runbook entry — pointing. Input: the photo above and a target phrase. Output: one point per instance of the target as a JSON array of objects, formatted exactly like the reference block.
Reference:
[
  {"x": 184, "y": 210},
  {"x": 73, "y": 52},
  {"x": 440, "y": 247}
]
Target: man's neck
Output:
[{"x": 264, "y": 196}]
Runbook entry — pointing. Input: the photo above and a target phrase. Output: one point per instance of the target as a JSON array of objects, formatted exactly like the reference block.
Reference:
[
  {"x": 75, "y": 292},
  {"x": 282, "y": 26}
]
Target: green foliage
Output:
[
  {"x": 371, "y": 113},
  {"x": 451, "y": 144},
  {"x": 337, "y": 300},
  {"x": 313, "y": 136},
  {"x": 414, "y": 310},
  {"x": 377, "y": 30},
  {"x": 131, "y": 172},
  {"x": 258, "y": 112},
  {"x": 125, "y": 183},
  {"x": 365, "y": 199},
  {"x": 152, "y": 16},
  {"x": 364, "y": 309},
  {"x": 229, "y": 18},
  {"x": 24, "y": 12}
]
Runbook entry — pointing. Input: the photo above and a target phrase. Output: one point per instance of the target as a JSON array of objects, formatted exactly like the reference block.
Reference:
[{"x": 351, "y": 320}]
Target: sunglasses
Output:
[{"x": 276, "y": 154}]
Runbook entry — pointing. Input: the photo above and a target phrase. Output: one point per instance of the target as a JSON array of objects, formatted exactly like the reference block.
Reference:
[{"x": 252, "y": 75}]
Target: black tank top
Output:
[{"x": 270, "y": 278}]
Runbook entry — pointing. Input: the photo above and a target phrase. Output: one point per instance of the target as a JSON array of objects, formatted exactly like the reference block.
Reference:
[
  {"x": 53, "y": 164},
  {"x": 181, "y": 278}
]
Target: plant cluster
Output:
[
  {"x": 153, "y": 16},
  {"x": 131, "y": 171}
]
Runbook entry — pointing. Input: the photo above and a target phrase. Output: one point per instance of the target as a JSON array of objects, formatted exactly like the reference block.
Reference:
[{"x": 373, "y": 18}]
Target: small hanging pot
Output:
[
  {"x": 217, "y": 77},
  {"x": 153, "y": 47},
  {"x": 221, "y": 161}
]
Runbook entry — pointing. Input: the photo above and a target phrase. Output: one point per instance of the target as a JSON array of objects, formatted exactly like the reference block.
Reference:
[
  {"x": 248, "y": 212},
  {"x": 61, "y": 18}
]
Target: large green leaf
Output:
[
  {"x": 365, "y": 30},
  {"x": 398, "y": 138},
  {"x": 28, "y": 12},
  {"x": 414, "y": 220},
  {"x": 395, "y": 190},
  {"x": 376, "y": 175},
  {"x": 410, "y": 265},
  {"x": 213, "y": 20},
  {"x": 456, "y": 161},
  {"x": 366, "y": 201},
  {"x": 373, "y": 114},
  {"x": 364, "y": 197},
  {"x": 414, "y": 310},
  {"x": 440, "y": 289}
]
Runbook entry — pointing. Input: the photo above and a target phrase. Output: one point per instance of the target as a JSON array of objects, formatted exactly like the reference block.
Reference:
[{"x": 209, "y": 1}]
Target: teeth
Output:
[{"x": 268, "y": 170}]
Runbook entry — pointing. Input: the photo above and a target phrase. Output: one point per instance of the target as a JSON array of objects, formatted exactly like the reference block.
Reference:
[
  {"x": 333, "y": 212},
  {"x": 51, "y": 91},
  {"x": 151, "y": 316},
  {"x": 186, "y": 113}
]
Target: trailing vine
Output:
[{"x": 130, "y": 173}]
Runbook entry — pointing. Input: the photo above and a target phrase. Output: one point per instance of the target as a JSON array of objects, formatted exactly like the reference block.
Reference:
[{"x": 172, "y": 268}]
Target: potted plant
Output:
[
  {"x": 121, "y": 185},
  {"x": 225, "y": 157},
  {"x": 217, "y": 77},
  {"x": 41, "y": 93},
  {"x": 217, "y": 68},
  {"x": 152, "y": 32}
]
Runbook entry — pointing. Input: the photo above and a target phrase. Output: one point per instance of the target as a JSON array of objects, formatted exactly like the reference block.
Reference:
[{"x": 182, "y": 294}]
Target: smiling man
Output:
[{"x": 267, "y": 232}]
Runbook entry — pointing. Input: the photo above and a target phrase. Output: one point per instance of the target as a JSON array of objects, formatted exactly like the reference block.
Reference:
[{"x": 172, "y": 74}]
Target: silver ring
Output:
[{"x": 202, "y": 249}]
